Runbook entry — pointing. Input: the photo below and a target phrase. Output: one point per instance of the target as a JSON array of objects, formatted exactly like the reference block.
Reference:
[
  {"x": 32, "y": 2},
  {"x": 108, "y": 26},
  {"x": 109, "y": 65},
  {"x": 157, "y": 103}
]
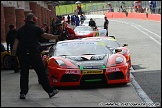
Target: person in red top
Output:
[
  {"x": 71, "y": 33},
  {"x": 67, "y": 32}
]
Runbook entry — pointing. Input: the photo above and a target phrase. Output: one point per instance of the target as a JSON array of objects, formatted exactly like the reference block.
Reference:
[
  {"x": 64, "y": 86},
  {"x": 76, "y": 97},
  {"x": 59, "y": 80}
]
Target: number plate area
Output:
[{"x": 86, "y": 72}]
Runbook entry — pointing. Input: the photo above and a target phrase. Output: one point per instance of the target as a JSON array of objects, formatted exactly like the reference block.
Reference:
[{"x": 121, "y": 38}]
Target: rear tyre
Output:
[{"x": 7, "y": 62}]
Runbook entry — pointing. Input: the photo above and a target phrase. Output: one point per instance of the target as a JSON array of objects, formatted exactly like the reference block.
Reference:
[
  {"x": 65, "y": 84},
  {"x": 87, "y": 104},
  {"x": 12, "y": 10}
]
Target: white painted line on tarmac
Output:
[
  {"x": 146, "y": 34},
  {"x": 139, "y": 30},
  {"x": 144, "y": 97},
  {"x": 148, "y": 30}
]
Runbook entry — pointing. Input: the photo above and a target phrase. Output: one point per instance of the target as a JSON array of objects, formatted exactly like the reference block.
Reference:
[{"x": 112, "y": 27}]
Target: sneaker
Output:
[
  {"x": 22, "y": 96},
  {"x": 53, "y": 93}
]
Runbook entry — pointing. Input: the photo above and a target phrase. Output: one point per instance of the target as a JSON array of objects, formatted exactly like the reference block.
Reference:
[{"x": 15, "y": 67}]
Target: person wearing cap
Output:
[
  {"x": 27, "y": 46},
  {"x": 106, "y": 23}
]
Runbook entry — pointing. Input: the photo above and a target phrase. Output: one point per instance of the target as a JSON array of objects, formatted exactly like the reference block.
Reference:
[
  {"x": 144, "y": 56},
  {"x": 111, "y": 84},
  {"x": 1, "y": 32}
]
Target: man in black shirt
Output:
[
  {"x": 92, "y": 23},
  {"x": 27, "y": 45},
  {"x": 106, "y": 23},
  {"x": 10, "y": 38}
]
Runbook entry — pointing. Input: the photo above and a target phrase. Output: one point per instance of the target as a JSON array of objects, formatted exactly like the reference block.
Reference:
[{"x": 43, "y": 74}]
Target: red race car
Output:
[
  {"x": 83, "y": 62},
  {"x": 113, "y": 44},
  {"x": 85, "y": 31}
]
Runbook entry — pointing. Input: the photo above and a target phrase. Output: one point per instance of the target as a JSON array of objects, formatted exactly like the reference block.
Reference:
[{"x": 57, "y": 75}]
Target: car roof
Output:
[{"x": 75, "y": 40}]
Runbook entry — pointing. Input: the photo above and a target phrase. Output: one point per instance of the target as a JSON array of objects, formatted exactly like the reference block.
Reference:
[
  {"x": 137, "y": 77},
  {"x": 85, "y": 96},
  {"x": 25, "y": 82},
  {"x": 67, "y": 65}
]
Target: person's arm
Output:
[
  {"x": 16, "y": 42},
  {"x": 49, "y": 36}
]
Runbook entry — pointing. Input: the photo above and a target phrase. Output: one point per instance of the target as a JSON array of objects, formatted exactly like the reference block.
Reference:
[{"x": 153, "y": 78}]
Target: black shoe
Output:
[
  {"x": 16, "y": 71},
  {"x": 22, "y": 96},
  {"x": 53, "y": 93}
]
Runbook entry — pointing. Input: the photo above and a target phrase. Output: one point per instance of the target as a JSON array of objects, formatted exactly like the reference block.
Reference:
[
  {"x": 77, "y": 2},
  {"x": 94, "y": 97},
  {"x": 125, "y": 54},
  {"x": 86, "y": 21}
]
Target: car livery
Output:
[
  {"x": 82, "y": 62},
  {"x": 111, "y": 42}
]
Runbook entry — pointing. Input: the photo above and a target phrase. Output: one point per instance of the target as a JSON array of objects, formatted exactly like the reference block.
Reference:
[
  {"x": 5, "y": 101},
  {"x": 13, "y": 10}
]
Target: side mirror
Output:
[
  {"x": 118, "y": 50},
  {"x": 125, "y": 45},
  {"x": 112, "y": 36}
]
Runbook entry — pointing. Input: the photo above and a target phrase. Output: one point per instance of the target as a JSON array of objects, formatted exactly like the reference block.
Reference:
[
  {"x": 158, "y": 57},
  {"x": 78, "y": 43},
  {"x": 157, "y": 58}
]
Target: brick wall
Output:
[
  {"x": 26, "y": 12},
  {"x": 45, "y": 15},
  {"x": 42, "y": 13},
  {"x": 48, "y": 16},
  {"x": 2, "y": 24},
  {"x": 39, "y": 15},
  {"x": 10, "y": 17},
  {"x": 33, "y": 7},
  {"x": 19, "y": 17},
  {"x": 52, "y": 11}
]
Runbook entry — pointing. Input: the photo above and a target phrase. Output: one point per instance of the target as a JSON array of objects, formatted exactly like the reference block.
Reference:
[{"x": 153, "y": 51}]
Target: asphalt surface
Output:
[{"x": 144, "y": 43}]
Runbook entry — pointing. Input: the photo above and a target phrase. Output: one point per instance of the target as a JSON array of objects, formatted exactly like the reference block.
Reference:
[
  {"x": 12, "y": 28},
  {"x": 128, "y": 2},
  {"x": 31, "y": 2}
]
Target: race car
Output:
[
  {"x": 85, "y": 31},
  {"x": 6, "y": 62},
  {"x": 111, "y": 42},
  {"x": 83, "y": 62}
]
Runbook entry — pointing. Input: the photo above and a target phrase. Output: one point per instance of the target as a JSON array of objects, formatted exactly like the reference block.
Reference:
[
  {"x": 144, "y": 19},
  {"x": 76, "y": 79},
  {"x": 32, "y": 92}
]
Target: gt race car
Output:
[
  {"x": 83, "y": 62},
  {"x": 112, "y": 43},
  {"x": 85, "y": 31}
]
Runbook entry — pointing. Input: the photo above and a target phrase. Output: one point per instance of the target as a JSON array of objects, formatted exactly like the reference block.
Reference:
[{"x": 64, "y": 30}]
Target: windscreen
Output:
[
  {"x": 81, "y": 48},
  {"x": 111, "y": 43}
]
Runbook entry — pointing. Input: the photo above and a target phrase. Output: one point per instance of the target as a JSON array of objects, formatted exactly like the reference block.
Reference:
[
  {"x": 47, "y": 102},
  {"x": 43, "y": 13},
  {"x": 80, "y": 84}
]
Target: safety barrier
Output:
[
  {"x": 115, "y": 15},
  {"x": 144, "y": 16}
]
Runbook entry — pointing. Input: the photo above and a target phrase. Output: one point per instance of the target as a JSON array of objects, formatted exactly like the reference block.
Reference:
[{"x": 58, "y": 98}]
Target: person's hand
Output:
[{"x": 59, "y": 36}]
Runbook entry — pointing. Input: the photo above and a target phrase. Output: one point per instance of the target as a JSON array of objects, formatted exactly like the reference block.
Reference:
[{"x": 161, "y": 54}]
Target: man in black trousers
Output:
[
  {"x": 27, "y": 46},
  {"x": 10, "y": 38},
  {"x": 106, "y": 23}
]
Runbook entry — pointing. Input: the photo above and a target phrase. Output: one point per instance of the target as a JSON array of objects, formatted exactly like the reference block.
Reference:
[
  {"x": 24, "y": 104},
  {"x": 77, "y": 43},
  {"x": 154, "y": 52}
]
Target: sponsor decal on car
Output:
[
  {"x": 112, "y": 69},
  {"x": 72, "y": 72},
  {"x": 92, "y": 72}
]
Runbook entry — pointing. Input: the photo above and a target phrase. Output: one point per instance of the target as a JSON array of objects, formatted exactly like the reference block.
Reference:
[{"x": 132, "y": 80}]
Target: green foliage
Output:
[{"x": 68, "y": 9}]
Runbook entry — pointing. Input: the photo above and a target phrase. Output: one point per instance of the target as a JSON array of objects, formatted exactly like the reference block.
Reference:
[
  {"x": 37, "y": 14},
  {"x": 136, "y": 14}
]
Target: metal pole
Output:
[
  {"x": 59, "y": 10},
  {"x": 65, "y": 10}
]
